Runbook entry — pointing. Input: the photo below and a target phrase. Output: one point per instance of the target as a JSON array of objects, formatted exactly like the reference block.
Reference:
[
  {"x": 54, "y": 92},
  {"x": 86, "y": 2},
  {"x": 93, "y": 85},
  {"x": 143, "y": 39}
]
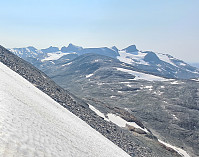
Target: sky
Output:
[{"x": 166, "y": 26}]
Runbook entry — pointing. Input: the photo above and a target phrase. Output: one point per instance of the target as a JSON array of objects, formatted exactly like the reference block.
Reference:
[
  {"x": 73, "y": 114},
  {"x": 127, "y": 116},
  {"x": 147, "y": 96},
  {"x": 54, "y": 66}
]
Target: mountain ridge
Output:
[{"x": 155, "y": 63}]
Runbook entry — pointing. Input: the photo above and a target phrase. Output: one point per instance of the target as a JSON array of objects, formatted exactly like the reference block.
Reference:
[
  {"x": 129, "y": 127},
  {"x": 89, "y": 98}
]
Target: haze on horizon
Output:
[{"x": 161, "y": 26}]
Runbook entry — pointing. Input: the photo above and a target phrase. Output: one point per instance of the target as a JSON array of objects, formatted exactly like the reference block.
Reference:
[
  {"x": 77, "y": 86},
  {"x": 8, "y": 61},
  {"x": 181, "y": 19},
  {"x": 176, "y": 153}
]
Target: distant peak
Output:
[
  {"x": 72, "y": 48},
  {"x": 131, "y": 48},
  {"x": 151, "y": 57},
  {"x": 72, "y": 45},
  {"x": 115, "y": 48},
  {"x": 50, "y": 49},
  {"x": 31, "y": 48}
]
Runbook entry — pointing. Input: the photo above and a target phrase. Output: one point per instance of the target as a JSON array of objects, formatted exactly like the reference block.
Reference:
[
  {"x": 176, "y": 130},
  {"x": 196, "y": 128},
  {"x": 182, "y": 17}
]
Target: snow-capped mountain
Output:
[
  {"x": 26, "y": 52},
  {"x": 155, "y": 63},
  {"x": 39, "y": 121}
]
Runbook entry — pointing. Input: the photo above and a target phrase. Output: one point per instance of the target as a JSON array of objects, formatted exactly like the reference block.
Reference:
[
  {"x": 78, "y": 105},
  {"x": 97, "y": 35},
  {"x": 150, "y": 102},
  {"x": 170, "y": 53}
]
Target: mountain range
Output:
[
  {"x": 155, "y": 63},
  {"x": 155, "y": 91},
  {"x": 35, "y": 124}
]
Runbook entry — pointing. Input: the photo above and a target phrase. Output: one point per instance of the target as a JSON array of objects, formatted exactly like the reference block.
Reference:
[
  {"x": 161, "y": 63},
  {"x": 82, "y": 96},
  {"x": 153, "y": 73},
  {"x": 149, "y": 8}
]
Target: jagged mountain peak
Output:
[
  {"x": 74, "y": 46},
  {"x": 31, "y": 48},
  {"x": 131, "y": 48},
  {"x": 28, "y": 48},
  {"x": 71, "y": 48},
  {"x": 115, "y": 48},
  {"x": 151, "y": 57}
]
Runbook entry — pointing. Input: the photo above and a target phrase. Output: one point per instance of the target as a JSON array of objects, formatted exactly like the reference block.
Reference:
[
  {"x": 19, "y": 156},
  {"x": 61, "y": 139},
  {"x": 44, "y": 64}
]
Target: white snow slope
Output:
[
  {"x": 55, "y": 56},
  {"x": 142, "y": 76},
  {"x": 33, "y": 124},
  {"x": 131, "y": 58}
]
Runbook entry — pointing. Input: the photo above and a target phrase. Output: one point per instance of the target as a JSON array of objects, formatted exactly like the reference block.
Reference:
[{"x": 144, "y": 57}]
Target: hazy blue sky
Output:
[{"x": 167, "y": 26}]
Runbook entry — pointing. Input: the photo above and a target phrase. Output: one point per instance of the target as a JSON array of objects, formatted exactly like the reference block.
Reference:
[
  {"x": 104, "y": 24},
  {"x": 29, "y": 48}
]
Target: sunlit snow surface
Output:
[
  {"x": 165, "y": 58},
  {"x": 131, "y": 58},
  {"x": 179, "y": 150},
  {"x": 142, "y": 76},
  {"x": 122, "y": 123},
  {"x": 33, "y": 124},
  {"x": 55, "y": 56},
  {"x": 116, "y": 119},
  {"x": 87, "y": 76}
]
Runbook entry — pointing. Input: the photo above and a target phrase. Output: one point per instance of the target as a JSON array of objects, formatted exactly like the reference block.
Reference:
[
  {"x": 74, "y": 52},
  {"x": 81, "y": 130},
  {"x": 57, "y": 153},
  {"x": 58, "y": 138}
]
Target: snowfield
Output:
[
  {"x": 131, "y": 58},
  {"x": 116, "y": 119},
  {"x": 122, "y": 123},
  {"x": 142, "y": 76},
  {"x": 87, "y": 76},
  {"x": 55, "y": 56},
  {"x": 179, "y": 150},
  {"x": 32, "y": 124},
  {"x": 165, "y": 58}
]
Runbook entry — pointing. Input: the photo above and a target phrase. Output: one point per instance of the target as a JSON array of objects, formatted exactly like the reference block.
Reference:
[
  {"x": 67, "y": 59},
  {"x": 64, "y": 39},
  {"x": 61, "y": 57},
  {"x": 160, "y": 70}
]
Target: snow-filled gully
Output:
[
  {"x": 116, "y": 119},
  {"x": 122, "y": 123}
]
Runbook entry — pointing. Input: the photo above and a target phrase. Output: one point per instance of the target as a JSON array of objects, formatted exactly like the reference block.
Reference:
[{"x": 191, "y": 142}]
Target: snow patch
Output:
[
  {"x": 148, "y": 87},
  {"x": 197, "y": 80},
  {"x": 54, "y": 56},
  {"x": 98, "y": 112},
  {"x": 122, "y": 123},
  {"x": 158, "y": 92},
  {"x": 116, "y": 119},
  {"x": 174, "y": 116},
  {"x": 165, "y": 58},
  {"x": 131, "y": 58},
  {"x": 142, "y": 76},
  {"x": 160, "y": 70},
  {"x": 112, "y": 96},
  {"x": 87, "y": 76},
  {"x": 125, "y": 82},
  {"x": 182, "y": 64},
  {"x": 66, "y": 64},
  {"x": 175, "y": 82},
  {"x": 128, "y": 85},
  {"x": 180, "y": 151}
]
